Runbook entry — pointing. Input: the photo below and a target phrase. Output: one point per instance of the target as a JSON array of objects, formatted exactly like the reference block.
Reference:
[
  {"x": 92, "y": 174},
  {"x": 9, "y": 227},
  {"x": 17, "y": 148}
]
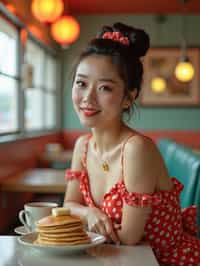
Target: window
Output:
[
  {"x": 34, "y": 57},
  {"x": 50, "y": 77},
  {"x": 40, "y": 98},
  {"x": 8, "y": 78},
  {"x": 27, "y": 101}
]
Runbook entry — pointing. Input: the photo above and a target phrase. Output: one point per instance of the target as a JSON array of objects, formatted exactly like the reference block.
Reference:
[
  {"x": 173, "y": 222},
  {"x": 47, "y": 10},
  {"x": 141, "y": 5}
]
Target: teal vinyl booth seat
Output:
[
  {"x": 197, "y": 202},
  {"x": 183, "y": 164}
]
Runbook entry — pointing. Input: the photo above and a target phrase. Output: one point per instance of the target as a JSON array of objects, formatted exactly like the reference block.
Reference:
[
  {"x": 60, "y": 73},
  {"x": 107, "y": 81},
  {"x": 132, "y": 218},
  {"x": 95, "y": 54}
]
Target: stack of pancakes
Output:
[{"x": 61, "y": 230}]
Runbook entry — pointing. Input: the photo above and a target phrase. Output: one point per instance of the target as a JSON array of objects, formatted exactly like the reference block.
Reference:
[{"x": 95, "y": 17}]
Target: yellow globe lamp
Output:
[
  {"x": 47, "y": 10},
  {"x": 158, "y": 85},
  {"x": 184, "y": 71},
  {"x": 65, "y": 30}
]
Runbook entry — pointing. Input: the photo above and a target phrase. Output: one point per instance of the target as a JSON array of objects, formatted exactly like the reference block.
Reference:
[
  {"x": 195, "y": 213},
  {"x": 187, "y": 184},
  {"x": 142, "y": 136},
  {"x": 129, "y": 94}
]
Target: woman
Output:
[{"x": 118, "y": 183}]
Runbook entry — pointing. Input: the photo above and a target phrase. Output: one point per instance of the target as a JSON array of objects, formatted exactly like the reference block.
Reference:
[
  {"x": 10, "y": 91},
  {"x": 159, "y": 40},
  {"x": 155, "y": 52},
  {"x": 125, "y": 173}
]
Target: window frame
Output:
[
  {"x": 44, "y": 89},
  {"x": 17, "y": 75},
  {"x": 22, "y": 132}
]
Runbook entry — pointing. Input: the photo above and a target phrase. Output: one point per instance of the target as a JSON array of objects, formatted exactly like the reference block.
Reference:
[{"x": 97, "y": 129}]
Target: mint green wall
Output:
[{"x": 167, "y": 34}]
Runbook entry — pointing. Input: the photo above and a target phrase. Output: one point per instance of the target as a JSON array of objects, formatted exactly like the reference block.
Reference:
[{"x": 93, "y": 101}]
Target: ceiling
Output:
[{"x": 95, "y": 7}]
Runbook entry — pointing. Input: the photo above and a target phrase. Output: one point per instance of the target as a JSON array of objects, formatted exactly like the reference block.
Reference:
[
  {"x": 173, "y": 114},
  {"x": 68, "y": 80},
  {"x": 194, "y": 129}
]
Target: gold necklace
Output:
[
  {"x": 105, "y": 166},
  {"x": 105, "y": 159}
]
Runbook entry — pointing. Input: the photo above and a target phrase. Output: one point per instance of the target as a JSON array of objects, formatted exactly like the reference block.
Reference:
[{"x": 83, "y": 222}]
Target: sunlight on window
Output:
[
  {"x": 7, "y": 54},
  {"x": 8, "y": 72},
  {"x": 35, "y": 56},
  {"x": 50, "y": 73},
  {"x": 40, "y": 100},
  {"x": 8, "y": 105},
  {"x": 33, "y": 109},
  {"x": 51, "y": 86},
  {"x": 50, "y": 118}
]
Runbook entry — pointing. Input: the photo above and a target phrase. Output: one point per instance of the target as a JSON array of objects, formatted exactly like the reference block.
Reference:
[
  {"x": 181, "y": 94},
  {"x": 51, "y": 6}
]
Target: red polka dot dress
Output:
[{"x": 169, "y": 230}]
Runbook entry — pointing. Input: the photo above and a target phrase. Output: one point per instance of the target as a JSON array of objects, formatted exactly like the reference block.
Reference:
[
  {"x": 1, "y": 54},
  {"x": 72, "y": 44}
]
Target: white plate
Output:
[
  {"x": 21, "y": 230},
  {"x": 28, "y": 240}
]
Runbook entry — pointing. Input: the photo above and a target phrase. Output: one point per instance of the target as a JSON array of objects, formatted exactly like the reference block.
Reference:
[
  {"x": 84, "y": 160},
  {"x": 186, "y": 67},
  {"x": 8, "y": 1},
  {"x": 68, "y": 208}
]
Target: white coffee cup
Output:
[{"x": 34, "y": 211}]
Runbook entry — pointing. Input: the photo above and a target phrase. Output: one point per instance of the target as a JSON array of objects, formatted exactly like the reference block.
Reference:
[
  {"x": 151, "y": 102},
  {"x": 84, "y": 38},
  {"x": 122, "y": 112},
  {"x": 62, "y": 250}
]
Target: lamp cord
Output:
[{"x": 183, "y": 29}]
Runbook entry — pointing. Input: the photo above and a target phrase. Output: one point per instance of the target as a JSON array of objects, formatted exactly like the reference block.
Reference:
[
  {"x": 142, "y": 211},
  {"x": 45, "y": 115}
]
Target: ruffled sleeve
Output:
[
  {"x": 73, "y": 174},
  {"x": 189, "y": 219},
  {"x": 139, "y": 199}
]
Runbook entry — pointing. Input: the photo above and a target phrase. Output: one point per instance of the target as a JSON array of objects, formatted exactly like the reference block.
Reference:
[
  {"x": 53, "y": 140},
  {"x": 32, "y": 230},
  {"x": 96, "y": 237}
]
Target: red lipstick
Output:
[{"x": 88, "y": 112}]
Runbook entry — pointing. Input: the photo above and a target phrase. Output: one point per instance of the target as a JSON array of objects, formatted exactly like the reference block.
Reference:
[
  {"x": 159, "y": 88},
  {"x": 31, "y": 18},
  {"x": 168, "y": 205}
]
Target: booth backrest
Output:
[
  {"x": 183, "y": 164},
  {"x": 197, "y": 201}
]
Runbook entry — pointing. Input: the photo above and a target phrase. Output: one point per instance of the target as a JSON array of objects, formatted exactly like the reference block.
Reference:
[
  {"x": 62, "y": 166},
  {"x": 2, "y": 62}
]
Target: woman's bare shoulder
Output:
[
  {"x": 141, "y": 144},
  {"x": 80, "y": 142},
  {"x": 78, "y": 152},
  {"x": 143, "y": 164}
]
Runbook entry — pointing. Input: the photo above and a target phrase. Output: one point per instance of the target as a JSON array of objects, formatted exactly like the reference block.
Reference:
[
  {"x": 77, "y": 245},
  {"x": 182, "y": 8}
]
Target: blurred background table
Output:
[
  {"x": 60, "y": 160},
  {"x": 37, "y": 180}
]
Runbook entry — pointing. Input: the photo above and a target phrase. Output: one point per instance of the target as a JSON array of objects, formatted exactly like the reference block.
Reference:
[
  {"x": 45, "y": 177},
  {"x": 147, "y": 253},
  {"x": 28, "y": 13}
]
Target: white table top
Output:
[{"x": 15, "y": 254}]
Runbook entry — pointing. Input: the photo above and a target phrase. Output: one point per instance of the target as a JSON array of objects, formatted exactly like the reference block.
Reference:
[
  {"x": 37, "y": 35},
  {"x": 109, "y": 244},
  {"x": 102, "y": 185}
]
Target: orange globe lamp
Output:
[
  {"x": 65, "y": 30},
  {"x": 47, "y": 10}
]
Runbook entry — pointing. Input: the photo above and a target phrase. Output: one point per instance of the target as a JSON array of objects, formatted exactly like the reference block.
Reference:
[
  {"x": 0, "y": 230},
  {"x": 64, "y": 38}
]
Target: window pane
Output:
[
  {"x": 51, "y": 69},
  {"x": 35, "y": 56},
  {"x": 8, "y": 104},
  {"x": 8, "y": 48},
  {"x": 33, "y": 109},
  {"x": 50, "y": 119}
]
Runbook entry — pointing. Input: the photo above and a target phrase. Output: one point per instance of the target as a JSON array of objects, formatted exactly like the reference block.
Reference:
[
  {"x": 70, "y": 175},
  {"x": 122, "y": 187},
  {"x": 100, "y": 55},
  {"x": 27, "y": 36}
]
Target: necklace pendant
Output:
[{"x": 105, "y": 166}]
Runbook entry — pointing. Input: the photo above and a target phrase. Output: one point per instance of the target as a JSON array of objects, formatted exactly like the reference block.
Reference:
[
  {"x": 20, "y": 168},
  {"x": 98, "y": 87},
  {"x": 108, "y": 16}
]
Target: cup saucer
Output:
[{"x": 21, "y": 230}]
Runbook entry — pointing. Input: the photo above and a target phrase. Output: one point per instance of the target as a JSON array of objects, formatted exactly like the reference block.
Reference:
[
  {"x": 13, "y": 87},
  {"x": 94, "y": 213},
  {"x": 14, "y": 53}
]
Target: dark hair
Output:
[{"x": 125, "y": 57}]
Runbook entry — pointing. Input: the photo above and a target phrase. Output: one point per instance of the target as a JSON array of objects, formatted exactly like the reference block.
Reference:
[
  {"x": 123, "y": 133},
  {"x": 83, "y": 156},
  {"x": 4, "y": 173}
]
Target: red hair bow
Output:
[{"x": 117, "y": 37}]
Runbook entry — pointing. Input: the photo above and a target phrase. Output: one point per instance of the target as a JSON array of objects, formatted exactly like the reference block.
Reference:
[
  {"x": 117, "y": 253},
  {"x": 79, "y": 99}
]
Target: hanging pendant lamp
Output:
[
  {"x": 47, "y": 10},
  {"x": 158, "y": 85},
  {"x": 65, "y": 30},
  {"x": 184, "y": 70}
]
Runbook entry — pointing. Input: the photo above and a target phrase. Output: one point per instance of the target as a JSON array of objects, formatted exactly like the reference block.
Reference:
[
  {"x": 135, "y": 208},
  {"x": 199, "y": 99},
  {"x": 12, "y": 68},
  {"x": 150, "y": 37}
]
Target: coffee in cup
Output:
[{"x": 34, "y": 211}]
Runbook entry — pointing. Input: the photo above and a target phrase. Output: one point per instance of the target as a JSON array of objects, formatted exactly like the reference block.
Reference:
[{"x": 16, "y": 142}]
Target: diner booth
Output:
[{"x": 38, "y": 125}]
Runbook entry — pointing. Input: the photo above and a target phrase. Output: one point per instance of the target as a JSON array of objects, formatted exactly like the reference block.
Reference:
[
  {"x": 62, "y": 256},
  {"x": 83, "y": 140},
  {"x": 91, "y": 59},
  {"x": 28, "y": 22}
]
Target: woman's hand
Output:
[{"x": 99, "y": 222}]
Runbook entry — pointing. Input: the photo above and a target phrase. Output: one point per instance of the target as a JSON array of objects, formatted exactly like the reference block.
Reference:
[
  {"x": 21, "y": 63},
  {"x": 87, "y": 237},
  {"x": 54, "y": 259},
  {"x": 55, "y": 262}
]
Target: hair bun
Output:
[{"x": 138, "y": 38}]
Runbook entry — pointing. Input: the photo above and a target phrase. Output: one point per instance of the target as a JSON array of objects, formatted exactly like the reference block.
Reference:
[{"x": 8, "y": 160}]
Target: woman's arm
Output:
[
  {"x": 141, "y": 171},
  {"x": 73, "y": 196},
  {"x": 95, "y": 219}
]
